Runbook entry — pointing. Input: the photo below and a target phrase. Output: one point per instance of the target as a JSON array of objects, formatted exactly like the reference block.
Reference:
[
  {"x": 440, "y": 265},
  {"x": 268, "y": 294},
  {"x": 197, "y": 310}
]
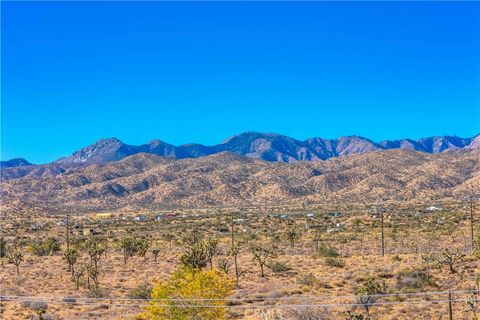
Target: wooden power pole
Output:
[
  {"x": 450, "y": 310},
  {"x": 383, "y": 232},
  {"x": 233, "y": 229},
  {"x": 68, "y": 233},
  {"x": 472, "y": 238}
]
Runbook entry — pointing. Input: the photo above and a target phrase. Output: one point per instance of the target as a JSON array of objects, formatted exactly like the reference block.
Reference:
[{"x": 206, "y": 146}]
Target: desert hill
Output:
[{"x": 147, "y": 181}]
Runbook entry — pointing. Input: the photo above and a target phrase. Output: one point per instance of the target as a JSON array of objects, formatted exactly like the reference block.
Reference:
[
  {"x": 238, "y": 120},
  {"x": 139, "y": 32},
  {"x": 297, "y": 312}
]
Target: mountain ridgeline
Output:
[
  {"x": 265, "y": 146},
  {"x": 247, "y": 169}
]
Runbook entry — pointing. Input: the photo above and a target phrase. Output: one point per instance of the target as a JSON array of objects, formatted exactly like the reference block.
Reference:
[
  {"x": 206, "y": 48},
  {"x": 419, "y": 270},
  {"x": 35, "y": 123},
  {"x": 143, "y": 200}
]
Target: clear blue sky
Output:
[{"x": 73, "y": 73}]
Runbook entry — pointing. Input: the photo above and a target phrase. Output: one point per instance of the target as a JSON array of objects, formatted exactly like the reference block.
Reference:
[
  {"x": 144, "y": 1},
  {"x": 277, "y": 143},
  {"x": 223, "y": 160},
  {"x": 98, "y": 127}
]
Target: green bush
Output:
[
  {"x": 279, "y": 267},
  {"x": 412, "y": 279},
  {"x": 142, "y": 291},
  {"x": 327, "y": 251},
  {"x": 308, "y": 280},
  {"x": 46, "y": 247},
  {"x": 334, "y": 262}
]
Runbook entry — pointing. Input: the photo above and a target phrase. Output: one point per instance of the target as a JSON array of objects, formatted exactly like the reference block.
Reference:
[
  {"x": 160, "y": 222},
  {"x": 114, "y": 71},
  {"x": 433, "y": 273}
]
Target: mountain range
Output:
[
  {"x": 264, "y": 146},
  {"x": 145, "y": 181}
]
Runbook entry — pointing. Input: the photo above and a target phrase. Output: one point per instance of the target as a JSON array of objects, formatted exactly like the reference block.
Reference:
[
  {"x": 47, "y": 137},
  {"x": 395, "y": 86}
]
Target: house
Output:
[
  {"x": 431, "y": 209},
  {"x": 89, "y": 232},
  {"x": 140, "y": 218},
  {"x": 36, "y": 226},
  {"x": 338, "y": 227},
  {"x": 103, "y": 215},
  {"x": 335, "y": 214},
  {"x": 164, "y": 216},
  {"x": 310, "y": 215},
  {"x": 315, "y": 226}
]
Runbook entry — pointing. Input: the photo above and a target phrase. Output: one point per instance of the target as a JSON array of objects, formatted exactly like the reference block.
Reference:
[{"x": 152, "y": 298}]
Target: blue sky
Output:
[{"x": 75, "y": 72}]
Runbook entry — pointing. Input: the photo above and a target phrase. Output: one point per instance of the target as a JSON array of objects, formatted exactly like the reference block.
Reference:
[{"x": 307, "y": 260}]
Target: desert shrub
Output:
[
  {"x": 334, "y": 262},
  {"x": 26, "y": 303},
  {"x": 142, "y": 291},
  {"x": 325, "y": 250},
  {"x": 38, "y": 249},
  {"x": 476, "y": 247},
  {"x": 411, "y": 279},
  {"x": 396, "y": 258},
  {"x": 370, "y": 286},
  {"x": 308, "y": 280},
  {"x": 46, "y": 247},
  {"x": 354, "y": 316},
  {"x": 309, "y": 313},
  {"x": 3, "y": 248},
  {"x": 39, "y": 307},
  {"x": 44, "y": 316},
  {"x": 69, "y": 300},
  {"x": 279, "y": 267},
  {"x": 188, "y": 283}
]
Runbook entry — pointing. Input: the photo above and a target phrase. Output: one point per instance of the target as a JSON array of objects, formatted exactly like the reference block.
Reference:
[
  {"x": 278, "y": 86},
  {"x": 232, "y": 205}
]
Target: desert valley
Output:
[{"x": 368, "y": 233}]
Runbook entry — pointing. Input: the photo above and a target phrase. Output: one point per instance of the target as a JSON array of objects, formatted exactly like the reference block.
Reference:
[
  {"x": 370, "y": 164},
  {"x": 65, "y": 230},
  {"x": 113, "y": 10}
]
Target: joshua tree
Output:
[
  {"x": 195, "y": 256},
  {"x": 71, "y": 256},
  {"x": 427, "y": 258},
  {"x": 223, "y": 265},
  {"x": 211, "y": 250},
  {"x": 451, "y": 257},
  {"x": 155, "y": 253},
  {"x": 128, "y": 247},
  {"x": 292, "y": 235},
  {"x": 93, "y": 272},
  {"x": 77, "y": 274},
  {"x": 261, "y": 255},
  {"x": 95, "y": 248},
  {"x": 235, "y": 251},
  {"x": 15, "y": 256},
  {"x": 316, "y": 240},
  {"x": 275, "y": 239}
]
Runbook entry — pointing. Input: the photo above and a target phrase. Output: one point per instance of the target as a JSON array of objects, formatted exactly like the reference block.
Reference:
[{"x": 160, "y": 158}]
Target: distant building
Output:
[
  {"x": 335, "y": 214},
  {"x": 164, "y": 216},
  {"x": 36, "y": 226},
  {"x": 89, "y": 232},
  {"x": 140, "y": 218},
  {"x": 431, "y": 209},
  {"x": 103, "y": 215}
]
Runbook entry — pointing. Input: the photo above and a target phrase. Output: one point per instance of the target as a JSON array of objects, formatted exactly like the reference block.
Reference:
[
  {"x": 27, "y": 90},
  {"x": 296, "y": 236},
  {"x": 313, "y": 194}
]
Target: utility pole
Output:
[
  {"x": 233, "y": 229},
  {"x": 450, "y": 311},
  {"x": 68, "y": 234},
  {"x": 383, "y": 232},
  {"x": 471, "y": 222}
]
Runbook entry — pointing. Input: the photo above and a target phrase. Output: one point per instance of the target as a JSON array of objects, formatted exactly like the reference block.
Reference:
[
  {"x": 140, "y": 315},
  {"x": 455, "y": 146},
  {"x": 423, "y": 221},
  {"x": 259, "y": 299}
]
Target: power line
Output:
[
  {"x": 304, "y": 305},
  {"x": 425, "y": 293}
]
